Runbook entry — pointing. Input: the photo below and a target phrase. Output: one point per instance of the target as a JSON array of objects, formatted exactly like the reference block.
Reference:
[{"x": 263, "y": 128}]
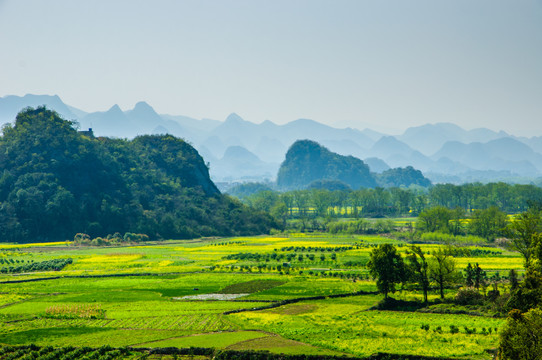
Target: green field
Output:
[{"x": 135, "y": 296}]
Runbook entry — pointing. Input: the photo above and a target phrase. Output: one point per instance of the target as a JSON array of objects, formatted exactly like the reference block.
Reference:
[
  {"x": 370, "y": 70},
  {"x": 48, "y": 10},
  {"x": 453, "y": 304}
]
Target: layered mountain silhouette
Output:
[
  {"x": 429, "y": 138},
  {"x": 244, "y": 164},
  {"x": 443, "y": 151}
]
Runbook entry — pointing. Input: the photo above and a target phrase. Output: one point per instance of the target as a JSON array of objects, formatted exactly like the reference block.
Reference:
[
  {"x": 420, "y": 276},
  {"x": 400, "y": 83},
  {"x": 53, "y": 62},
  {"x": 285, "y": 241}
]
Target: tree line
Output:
[{"x": 380, "y": 202}]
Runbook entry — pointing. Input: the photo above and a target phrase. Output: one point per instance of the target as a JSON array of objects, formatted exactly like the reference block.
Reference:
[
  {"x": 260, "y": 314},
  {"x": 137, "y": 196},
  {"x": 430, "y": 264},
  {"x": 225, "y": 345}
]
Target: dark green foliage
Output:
[
  {"x": 330, "y": 185},
  {"x": 307, "y": 161},
  {"x": 528, "y": 294},
  {"x": 387, "y": 266},
  {"x": 475, "y": 276},
  {"x": 56, "y": 182},
  {"x": 241, "y": 191},
  {"x": 68, "y": 353},
  {"x": 513, "y": 278},
  {"x": 107, "y": 352},
  {"x": 457, "y": 251},
  {"x": 441, "y": 219},
  {"x": 418, "y": 269},
  {"x": 49, "y": 265},
  {"x": 488, "y": 223},
  {"x": 525, "y": 232},
  {"x": 402, "y": 177},
  {"x": 398, "y": 305},
  {"x": 468, "y": 296},
  {"x": 454, "y": 329},
  {"x": 457, "y": 200},
  {"x": 361, "y": 226},
  {"x": 110, "y": 239},
  {"x": 442, "y": 269},
  {"x": 520, "y": 339}
]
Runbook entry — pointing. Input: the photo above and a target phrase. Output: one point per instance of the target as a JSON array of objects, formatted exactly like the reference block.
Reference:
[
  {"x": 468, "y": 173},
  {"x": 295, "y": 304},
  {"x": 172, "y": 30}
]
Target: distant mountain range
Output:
[{"x": 239, "y": 150}]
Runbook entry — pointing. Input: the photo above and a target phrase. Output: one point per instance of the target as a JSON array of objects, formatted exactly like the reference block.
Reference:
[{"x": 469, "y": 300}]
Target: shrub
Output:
[
  {"x": 520, "y": 337},
  {"x": 454, "y": 329},
  {"x": 468, "y": 296}
]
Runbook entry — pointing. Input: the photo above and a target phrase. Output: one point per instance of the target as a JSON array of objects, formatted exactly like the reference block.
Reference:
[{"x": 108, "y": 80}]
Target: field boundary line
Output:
[
  {"x": 296, "y": 300},
  {"x": 86, "y": 277}
]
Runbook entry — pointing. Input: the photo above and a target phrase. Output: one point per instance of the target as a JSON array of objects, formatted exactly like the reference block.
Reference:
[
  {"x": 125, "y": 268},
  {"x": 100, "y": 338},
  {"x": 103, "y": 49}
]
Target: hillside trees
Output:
[
  {"x": 56, "y": 182},
  {"x": 402, "y": 177},
  {"x": 307, "y": 161}
]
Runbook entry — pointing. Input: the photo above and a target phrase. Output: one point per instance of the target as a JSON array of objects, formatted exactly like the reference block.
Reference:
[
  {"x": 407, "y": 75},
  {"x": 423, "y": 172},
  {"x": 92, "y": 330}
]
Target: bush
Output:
[
  {"x": 454, "y": 329},
  {"x": 468, "y": 296},
  {"x": 520, "y": 337}
]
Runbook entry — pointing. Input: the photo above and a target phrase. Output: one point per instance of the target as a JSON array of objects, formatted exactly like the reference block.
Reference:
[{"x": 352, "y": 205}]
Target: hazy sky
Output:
[{"x": 477, "y": 63}]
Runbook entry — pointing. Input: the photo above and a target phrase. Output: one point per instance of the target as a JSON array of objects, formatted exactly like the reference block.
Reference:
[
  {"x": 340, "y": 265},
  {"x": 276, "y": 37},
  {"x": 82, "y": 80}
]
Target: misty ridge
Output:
[{"x": 238, "y": 150}]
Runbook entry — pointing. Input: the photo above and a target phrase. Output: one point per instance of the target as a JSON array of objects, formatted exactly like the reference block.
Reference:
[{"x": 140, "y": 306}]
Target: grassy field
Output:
[{"x": 135, "y": 296}]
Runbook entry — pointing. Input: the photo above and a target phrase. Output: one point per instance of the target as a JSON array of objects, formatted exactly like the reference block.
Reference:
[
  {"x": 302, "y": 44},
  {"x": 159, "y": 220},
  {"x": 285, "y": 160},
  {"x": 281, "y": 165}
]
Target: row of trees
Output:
[
  {"x": 47, "y": 265},
  {"x": 390, "y": 269},
  {"x": 111, "y": 239},
  {"x": 489, "y": 223},
  {"x": 378, "y": 202}
]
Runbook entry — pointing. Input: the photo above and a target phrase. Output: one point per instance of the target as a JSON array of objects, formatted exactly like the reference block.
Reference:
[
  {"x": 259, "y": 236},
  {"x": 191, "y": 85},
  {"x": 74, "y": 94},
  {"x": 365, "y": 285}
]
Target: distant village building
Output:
[{"x": 88, "y": 132}]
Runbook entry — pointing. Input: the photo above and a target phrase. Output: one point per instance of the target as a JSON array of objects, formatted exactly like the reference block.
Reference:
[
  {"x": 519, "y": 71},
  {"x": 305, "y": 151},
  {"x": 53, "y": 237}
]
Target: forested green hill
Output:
[
  {"x": 55, "y": 182},
  {"x": 307, "y": 161},
  {"x": 311, "y": 165}
]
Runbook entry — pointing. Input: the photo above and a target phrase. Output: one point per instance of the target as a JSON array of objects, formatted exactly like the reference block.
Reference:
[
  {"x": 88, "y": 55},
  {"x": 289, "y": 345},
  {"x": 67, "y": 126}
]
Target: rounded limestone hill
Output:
[
  {"x": 307, "y": 161},
  {"x": 56, "y": 181}
]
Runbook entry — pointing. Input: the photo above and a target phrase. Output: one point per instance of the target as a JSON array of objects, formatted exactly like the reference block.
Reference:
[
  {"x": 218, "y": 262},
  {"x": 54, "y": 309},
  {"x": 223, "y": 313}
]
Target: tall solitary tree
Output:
[
  {"x": 442, "y": 270},
  {"x": 419, "y": 268},
  {"x": 479, "y": 277},
  {"x": 388, "y": 268},
  {"x": 469, "y": 275}
]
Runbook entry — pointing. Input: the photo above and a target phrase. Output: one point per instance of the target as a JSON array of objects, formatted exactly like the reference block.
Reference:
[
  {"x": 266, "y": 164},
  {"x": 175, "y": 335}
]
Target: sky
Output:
[{"x": 383, "y": 64}]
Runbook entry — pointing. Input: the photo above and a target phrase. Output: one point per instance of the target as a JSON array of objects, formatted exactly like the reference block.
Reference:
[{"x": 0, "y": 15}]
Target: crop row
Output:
[
  {"x": 278, "y": 257},
  {"x": 33, "y": 352},
  {"x": 48, "y": 265},
  {"x": 319, "y": 248}
]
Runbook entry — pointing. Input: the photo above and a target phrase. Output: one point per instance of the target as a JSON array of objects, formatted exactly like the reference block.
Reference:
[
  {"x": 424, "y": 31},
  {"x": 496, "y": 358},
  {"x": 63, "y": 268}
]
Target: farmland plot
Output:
[{"x": 152, "y": 296}]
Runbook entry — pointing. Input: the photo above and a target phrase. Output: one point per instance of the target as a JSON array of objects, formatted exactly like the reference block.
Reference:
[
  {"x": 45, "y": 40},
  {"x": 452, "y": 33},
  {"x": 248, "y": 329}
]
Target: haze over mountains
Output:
[{"x": 240, "y": 150}]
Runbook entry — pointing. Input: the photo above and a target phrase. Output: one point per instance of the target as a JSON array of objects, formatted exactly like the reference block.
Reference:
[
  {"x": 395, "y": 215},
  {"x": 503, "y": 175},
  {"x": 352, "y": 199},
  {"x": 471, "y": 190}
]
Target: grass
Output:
[
  {"x": 250, "y": 287},
  {"x": 220, "y": 340}
]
